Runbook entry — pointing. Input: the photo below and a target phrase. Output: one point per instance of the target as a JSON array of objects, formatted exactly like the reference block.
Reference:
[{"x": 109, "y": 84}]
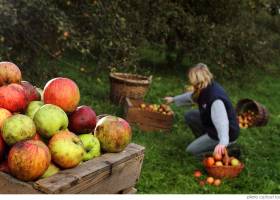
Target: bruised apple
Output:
[
  {"x": 67, "y": 149},
  {"x": 17, "y": 128},
  {"x": 113, "y": 133},
  {"x": 9, "y": 73},
  {"x": 31, "y": 92},
  {"x": 29, "y": 159}
]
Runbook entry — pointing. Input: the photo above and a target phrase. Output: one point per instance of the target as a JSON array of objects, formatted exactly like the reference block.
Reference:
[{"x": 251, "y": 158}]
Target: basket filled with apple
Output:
[
  {"x": 51, "y": 144},
  {"x": 251, "y": 113},
  {"x": 148, "y": 116},
  {"x": 223, "y": 166}
]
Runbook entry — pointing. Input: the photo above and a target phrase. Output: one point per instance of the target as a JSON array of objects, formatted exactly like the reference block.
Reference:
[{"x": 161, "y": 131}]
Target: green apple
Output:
[
  {"x": 91, "y": 145},
  {"x": 33, "y": 107},
  {"x": 235, "y": 162},
  {"x": 50, "y": 119},
  {"x": 17, "y": 128},
  {"x": 52, "y": 169},
  {"x": 67, "y": 149}
]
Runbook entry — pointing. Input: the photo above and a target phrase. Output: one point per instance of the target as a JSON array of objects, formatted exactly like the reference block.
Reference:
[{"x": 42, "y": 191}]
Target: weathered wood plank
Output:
[
  {"x": 123, "y": 176},
  {"x": 131, "y": 190},
  {"x": 93, "y": 172},
  {"x": 131, "y": 151},
  {"x": 146, "y": 120},
  {"x": 11, "y": 185}
]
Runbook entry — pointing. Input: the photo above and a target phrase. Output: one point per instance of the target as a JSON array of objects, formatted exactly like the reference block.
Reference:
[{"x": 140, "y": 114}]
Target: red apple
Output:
[
  {"x": 197, "y": 173},
  {"x": 9, "y": 73},
  {"x": 13, "y": 97},
  {"x": 217, "y": 157},
  {"x": 4, "y": 167},
  {"x": 62, "y": 92},
  {"x": 2, "y": 147},
  {"x": 114, "y": 133},
  {"x": 4, "y": 114},
  {"x": 29, "y": 159},
  {"x": 209, "y": 161},
  {"x": 82, "y": 120},
  {"x": 67, "y": 149},
  {"x": 37, "y": 137},
  {"x": 31, "y": 92}
]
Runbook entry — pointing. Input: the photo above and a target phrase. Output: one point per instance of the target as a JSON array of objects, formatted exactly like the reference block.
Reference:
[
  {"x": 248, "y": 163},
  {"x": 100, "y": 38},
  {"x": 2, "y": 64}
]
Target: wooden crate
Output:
[
  {"x": 111, "y": 173},
  {"x": 146, "y": 120}
]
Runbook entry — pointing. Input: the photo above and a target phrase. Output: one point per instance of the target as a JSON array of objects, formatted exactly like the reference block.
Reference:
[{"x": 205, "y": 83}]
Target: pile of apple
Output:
[
  {"x": 43, "y": 131},
  {"x": 208, "y": 180},
  {"x": 246, "y": 119},
  {"x": 220, "y": 160},
  {"x": 162, "y": 108},
  {"x": 211, "y": 161}
]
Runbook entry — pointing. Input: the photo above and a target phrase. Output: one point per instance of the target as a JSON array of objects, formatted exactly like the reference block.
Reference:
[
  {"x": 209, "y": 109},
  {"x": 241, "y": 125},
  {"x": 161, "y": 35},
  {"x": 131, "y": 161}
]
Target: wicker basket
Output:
[
  {"x": 262, "y": 116},
  {"x": 225, "y": 171},
  {"x": 124, "y": 85}
]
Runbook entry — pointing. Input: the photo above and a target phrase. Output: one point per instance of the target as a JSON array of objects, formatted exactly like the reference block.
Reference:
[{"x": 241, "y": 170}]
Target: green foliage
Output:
[{"x": 226, "y": 34}]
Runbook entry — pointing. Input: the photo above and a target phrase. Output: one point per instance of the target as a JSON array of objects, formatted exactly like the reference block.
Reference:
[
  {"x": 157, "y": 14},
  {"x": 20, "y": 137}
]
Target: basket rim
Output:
[
  {"x": 116, "y": 75},
  {"x": 226, "y": 166}
]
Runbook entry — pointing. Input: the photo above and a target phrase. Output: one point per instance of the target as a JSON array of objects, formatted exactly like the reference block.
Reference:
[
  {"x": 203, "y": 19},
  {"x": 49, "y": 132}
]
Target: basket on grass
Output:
[
  {"x": 258, "y": 114},
  {"x": 124, "y": 85},
  {"x": 224, "y": 171}
]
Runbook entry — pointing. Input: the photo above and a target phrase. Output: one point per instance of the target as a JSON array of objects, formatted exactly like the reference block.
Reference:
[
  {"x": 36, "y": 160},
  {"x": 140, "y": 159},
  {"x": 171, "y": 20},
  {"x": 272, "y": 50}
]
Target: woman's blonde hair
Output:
[{"x": 200, "y": 76}]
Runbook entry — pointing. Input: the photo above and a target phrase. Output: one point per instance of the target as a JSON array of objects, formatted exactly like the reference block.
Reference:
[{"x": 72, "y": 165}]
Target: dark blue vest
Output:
[{"x": 206, "y": 97}]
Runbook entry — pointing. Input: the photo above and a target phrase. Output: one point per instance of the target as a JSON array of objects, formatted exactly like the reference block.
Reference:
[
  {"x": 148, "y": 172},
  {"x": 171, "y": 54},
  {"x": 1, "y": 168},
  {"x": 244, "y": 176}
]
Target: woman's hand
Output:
[
  {"x": 168, "y": 100},
  {"x": 220, "y": 149}
]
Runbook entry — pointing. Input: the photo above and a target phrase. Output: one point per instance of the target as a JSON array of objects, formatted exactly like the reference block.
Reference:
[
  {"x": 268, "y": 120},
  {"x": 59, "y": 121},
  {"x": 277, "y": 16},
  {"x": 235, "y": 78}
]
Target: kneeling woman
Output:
[{"x": 214, "y": 123}]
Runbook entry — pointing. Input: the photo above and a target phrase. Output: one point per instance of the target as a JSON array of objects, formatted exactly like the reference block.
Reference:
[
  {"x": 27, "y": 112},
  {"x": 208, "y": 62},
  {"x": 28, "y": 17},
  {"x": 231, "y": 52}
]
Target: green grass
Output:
[{"x": 167, "y": 168}]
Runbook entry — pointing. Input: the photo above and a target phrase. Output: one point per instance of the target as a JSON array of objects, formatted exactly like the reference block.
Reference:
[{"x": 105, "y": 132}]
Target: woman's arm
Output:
[
  {"x": 179, "y": 100},
  {"x": 220, "y": 120}
]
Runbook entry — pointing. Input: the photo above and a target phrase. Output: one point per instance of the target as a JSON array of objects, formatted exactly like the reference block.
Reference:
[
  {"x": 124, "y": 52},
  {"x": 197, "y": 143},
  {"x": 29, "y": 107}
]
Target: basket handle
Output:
[{"x": 226, "y": 157}]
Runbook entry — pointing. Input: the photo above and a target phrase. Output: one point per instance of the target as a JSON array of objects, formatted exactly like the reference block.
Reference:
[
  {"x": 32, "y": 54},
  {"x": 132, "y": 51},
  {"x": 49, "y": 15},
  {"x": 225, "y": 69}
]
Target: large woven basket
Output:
[
  {"x": 225, "y": 171},
  {"x": 124, "y": 85},
  {"x": 262, "y": 116}
]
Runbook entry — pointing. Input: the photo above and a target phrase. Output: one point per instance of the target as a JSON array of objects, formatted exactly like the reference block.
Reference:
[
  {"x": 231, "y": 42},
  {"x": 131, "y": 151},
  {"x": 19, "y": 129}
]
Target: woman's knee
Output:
[
  {"x": 192, "y": 149},
  {"x": 190, "y": 116}
]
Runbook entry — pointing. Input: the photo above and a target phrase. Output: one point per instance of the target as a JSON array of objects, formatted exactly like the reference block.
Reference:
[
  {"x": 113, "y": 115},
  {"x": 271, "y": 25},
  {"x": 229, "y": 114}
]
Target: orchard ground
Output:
[{"x": 167, "y": 168}]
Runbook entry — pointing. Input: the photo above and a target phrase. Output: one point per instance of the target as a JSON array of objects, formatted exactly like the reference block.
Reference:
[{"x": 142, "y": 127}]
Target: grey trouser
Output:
[{"x": 203, "y": 143}]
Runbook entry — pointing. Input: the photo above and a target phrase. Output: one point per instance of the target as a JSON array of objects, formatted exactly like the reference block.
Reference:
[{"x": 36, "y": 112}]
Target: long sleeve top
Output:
[{"x": 218, "y": 115}]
